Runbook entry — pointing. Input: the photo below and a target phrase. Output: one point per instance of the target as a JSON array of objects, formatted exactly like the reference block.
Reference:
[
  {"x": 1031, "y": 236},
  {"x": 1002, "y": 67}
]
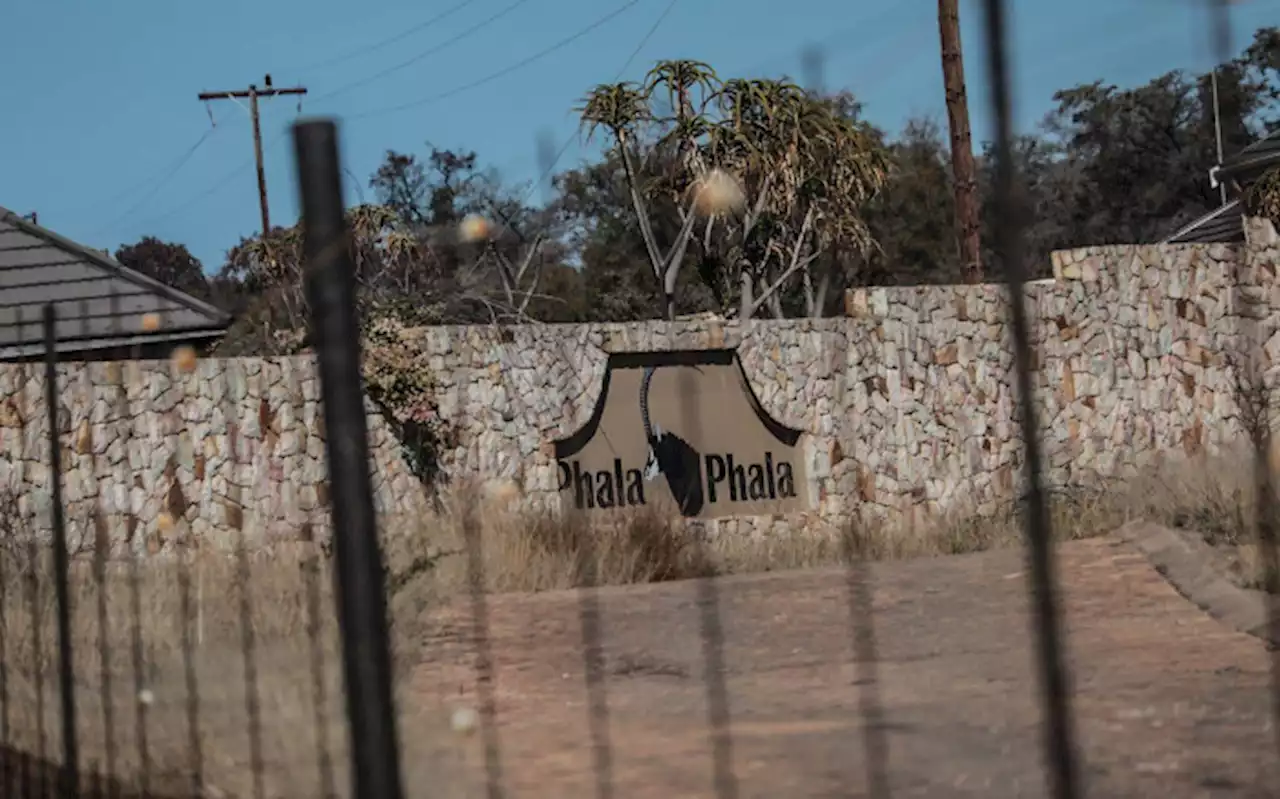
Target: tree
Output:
[
  {"x": 621, "y": 109},
  {"x": 413, "y": 263},
  {"x": 805, "y": 170},
  {"x": 435, "y": 194},
  {"x": 171, "y": 264},
  {"x": 810, "y": 169},
  {"x": 386, "y": 257},
  {"x": 913, "y": 218},
  {"x": 828, "y": 201},
  {"x": 599, "y": 229}
]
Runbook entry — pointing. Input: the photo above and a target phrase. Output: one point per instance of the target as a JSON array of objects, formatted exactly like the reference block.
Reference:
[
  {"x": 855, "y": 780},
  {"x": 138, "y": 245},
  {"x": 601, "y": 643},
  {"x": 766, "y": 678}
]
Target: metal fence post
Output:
[
  {"x": 1059, "y": 735},
  {"x": 70, "y": 767},
  {"x": 330, "y": 280}
]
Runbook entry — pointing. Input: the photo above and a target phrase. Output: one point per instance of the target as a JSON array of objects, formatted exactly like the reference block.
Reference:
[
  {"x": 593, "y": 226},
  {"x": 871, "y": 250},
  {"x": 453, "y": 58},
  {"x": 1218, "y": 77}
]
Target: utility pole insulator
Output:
[{"x": 252, "y": 94}]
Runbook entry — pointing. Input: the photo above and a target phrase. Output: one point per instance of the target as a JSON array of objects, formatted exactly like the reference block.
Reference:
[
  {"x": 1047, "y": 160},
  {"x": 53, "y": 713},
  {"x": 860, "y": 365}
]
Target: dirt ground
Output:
[{"x": 1168, "y": 701}]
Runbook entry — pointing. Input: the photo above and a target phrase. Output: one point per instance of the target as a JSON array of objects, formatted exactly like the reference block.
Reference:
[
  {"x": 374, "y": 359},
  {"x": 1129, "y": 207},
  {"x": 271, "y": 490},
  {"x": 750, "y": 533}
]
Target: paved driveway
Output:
[{"x": 1169, "y": 703}]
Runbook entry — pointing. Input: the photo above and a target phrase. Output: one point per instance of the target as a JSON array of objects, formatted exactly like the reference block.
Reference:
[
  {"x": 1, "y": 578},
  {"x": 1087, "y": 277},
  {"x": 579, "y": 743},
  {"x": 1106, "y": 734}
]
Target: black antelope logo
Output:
[{"x": 671, "y": 456}]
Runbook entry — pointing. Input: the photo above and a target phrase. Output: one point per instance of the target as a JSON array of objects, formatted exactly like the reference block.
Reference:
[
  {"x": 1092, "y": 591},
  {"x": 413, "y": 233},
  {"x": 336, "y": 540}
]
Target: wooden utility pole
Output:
[
  {"x": 969, "y": 234},
  {"x": 253, "y": 93}
]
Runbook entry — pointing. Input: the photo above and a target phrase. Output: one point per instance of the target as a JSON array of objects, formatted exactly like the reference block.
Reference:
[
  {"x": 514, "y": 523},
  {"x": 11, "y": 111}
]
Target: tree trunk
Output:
[{"x": 962, "y": 166}]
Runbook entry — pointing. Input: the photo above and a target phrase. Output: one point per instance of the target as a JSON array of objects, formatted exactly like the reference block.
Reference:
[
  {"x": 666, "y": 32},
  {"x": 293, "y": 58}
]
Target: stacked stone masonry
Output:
[{"x": 906, "y": 403}]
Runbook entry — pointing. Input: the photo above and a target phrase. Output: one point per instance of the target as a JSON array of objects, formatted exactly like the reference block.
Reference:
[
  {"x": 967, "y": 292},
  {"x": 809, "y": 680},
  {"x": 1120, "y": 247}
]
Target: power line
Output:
[
  {"x": 564, "y": 148},
  {"x": 163, "y": 175},
  {"x": 404, "y": 34},
  {"x": 230, "y": 176},
  {"x": 425, "y": 53},
  {"x": 169, "y": 175},
  {"x": 832, "y": 42},
  {"x": 502, "y": 72},
  {"x": 221, "y": 184}
]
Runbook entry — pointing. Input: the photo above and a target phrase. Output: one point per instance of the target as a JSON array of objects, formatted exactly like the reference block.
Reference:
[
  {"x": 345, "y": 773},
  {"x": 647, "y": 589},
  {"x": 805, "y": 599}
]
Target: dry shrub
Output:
[
  {"x": 295, "y": 654},
  {"x": 540, "y": 549}
]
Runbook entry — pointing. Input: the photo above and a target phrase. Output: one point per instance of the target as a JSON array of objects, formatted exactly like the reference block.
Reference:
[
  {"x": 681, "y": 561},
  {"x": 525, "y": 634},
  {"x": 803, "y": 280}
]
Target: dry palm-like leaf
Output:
[
  {"x": 682, "y": 79},
  {"x": 370, "y": 219},
  {"x": 617, "y": 107}
]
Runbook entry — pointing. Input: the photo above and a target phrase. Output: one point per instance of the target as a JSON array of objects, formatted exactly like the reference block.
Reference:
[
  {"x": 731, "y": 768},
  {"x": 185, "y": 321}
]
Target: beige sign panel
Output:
[{"x": 682, "y": 426}]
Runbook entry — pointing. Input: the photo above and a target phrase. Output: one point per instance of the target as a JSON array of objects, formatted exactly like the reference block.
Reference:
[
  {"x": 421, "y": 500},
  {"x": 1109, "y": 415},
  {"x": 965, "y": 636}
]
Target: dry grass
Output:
[
  {"x": 297, "y": 660},
  {"x": 537, "y": 551},
  {"x": 296, "y": 644}
]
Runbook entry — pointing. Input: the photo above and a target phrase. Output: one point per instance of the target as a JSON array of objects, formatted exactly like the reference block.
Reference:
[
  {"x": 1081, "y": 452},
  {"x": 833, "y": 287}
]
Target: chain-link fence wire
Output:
[
  {"x": 1254, "y": 389},
  {"x": 132, "y": 629},
  {"x": 360, "y": 596},
  {"x": 1059, "y": 734}
]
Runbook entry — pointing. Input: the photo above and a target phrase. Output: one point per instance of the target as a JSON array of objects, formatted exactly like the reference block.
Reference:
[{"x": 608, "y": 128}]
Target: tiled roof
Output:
[{"x": 99, "y": 302}]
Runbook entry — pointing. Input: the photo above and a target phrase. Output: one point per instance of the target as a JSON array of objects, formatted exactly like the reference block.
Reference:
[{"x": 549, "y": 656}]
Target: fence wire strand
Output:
[
  {"x": 33, "y": 601},
  {"x": 7, "y": 749},
  {"x": 485, "y": 671},
  {"x": 1059, "y": 735},
  {"x": 100, "y": 554},
  {"x": 591, "y": 624},
  {"x": 248, "y": 642},
  {"x": 711, "y": 633},
  {"x": 1261, "y": 432},
  {"x": 137, "y": 646},
  {"x": 187, "y": 611},
  {"x": 875, "y": 740},
  {"x": 312, "y": 566},
  {"x": 69, "y": 782}
]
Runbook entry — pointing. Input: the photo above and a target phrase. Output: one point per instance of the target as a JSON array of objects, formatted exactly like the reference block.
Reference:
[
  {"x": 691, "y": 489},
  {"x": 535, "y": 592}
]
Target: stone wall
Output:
[
  {"x": 150, "y": 453},
  {"x": 906, "y": 403}
]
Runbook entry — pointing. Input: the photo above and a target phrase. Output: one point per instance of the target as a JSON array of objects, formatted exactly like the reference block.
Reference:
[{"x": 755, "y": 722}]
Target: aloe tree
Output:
[
  {"x": 620, "y": 109},
  {"x": 806, "y": 172},
  {"x": 690, "y": 87},
  {"x": 809, "y": 173}
]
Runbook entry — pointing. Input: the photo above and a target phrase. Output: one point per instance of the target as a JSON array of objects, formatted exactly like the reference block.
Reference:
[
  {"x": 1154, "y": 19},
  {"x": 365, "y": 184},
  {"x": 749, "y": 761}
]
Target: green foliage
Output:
[
  {"x": 169, "y": 263},
  {"x": 395, "y": 373},
  {"x": 400, "y": 383}
]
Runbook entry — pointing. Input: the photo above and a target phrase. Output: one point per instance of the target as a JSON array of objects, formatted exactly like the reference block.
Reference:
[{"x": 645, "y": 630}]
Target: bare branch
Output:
[
  {"x": 529, "y": 256},
  {"x": 797, "y": 262},
  {"x": 671, "y": 268},
  {"x": 750, "y": 219},
  {"x": 533, "y": 289},
  {"x": 642, "y": 212}
]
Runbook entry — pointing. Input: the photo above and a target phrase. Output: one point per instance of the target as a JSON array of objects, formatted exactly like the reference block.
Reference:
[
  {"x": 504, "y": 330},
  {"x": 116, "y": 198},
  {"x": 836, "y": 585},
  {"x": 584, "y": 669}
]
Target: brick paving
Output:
[{"x": 1169, "y": 702}]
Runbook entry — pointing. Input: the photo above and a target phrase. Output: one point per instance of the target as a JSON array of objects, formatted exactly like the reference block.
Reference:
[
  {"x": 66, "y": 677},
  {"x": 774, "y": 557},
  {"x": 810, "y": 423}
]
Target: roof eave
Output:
[
  {"x": 21, "y": 350},
  {"x": 1190, "y": 227},
  {"x": 1241, "y": 166}
]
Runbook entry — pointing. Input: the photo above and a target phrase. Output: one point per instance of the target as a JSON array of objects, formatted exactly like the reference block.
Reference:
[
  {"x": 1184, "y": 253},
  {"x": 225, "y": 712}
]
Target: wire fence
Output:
[{"x": 120, "y": 678}]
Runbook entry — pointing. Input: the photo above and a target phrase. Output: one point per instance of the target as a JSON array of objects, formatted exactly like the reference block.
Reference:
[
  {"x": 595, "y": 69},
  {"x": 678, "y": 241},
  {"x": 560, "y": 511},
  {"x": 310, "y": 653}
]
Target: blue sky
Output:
[{"x": 100, "y": 97}]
